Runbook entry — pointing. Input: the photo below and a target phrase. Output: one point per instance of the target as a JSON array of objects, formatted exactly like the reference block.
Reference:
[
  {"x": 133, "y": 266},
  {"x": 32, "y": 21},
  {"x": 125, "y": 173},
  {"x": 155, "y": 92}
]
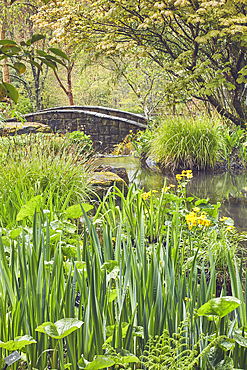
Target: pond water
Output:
[{"x": 228, "y": 189}]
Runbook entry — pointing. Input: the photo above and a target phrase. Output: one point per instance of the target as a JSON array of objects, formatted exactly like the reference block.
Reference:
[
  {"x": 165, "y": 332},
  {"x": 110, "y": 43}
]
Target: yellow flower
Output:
[
  {"x": 196, "y": 209},
  {"x": 230, "y": 228},
  {"x": 178, "y": 177},
  {"x": 224, "y": 219},
  {"x": 172, "y": 186},
  {"x": 189, "y": 175}
]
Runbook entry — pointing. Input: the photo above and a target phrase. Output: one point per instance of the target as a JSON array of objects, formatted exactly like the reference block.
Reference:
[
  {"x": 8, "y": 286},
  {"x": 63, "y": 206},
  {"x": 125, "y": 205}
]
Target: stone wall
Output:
[{"x": 105, "y": 130}]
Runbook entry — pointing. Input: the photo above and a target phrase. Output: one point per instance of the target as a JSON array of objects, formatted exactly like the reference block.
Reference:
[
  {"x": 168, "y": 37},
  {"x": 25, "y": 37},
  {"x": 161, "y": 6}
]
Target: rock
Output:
[
  {"x": 151, "y": 164},
  {"x": 120, "y": 171},
  {"x": 102, "y": 181},
  {"x": 17, "y": 128}
]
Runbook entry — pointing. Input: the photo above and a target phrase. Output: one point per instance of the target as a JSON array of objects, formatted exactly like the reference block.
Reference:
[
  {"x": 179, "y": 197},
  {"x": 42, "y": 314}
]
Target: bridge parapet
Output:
[
  {"x": 104, "y": 110},
  {"x": 104, "y": 129}
]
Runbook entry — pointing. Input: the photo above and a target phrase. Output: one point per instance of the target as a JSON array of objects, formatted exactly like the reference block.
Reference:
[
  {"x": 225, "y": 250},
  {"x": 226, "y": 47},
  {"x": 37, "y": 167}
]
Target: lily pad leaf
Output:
[
  {"x": 17, "y": 343},
  {"x": 219, "y": 306},
  {"x": 62, "y": 328},
  {"x": 100, "y": 362}
]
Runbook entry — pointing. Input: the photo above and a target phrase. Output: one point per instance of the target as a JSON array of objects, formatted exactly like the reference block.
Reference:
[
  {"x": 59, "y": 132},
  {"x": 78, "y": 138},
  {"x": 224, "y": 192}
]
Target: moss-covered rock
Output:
[
  {"x": 102, "y": 181},
  {"x": 18, "y": 128}
]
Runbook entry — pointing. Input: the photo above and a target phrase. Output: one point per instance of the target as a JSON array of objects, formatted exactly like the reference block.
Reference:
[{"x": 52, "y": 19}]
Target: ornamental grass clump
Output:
[
  {"x": 188, "y": 142},
  {"x": 41, "y": 165}
]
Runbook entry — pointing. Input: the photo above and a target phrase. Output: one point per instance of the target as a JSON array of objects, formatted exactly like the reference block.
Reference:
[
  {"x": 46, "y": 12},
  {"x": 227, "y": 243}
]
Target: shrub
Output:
[
  {"x": 188, "y": 143},
  {"x": 82, "y": 140}
]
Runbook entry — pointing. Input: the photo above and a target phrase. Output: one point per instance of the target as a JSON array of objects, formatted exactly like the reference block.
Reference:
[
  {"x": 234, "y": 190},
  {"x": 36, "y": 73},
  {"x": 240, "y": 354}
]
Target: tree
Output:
[
  {"x": 143, "y": 76},
  {"x": 10, "y": 49},
  {"x": 201, "y": 43}
]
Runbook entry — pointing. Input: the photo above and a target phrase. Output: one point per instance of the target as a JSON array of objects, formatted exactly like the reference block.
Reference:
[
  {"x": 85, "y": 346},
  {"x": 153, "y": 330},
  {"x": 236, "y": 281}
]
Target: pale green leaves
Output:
[
  {"x": 122, "y": 357},
  {"x": 75, "y": 211},
  {"x": 29, "y": 208},
  {"x": 61, "y": 328},
  {"x": 17, "y": 343},
  {"x": 8, "y": 90},
  {"x": 219, "y": 306}
]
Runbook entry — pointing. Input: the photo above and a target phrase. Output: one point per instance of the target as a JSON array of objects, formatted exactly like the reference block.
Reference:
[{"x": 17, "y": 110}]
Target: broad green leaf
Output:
[
  {"x": 36, "y": 64},
  {"x": 127, "y": 357},
  {"x": 82, "y": 363},
  {"x": 29, "y": 208},
  {"x": 21, "y": 68},
  {"x": 62, "y": 328},
  {"x": 7, "y": 42},
  {"x": 41, "y": 53},
  {"x": 100, "y": 362},
  {"x": 242, "y": 341},
  {"x": 17, "y": 343},
  {"x": 11, "y": 92},
  {"x": 14, "y": 233},
  {"x": 227, "y": 344},
  {"x": 226, "y": 364},
  {"x": 37, "y": 37},
  {"x": 76, "y": 211},
  {"x": 112, "y": 295},
  {"x": 49, "y": 63},
  {"x": 3, "y": 92},
  {"x": 219, "y": 306},
  {"x": 59, "y": 52}
]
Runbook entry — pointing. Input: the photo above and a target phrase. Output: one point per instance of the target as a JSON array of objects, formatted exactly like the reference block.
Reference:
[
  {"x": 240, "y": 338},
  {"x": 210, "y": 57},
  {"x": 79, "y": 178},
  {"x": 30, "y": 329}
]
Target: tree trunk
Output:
[
  {"x": 67, "y": 91},
  {"x": 69, "y": 84},
  {"x": 5, "y": 69}
]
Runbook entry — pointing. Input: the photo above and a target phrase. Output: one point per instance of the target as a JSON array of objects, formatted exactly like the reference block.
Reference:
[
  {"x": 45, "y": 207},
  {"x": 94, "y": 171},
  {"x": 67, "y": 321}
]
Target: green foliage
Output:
[
  {"x": 129, "y": 265},
  {"x": 188, "y": 143},
  {"x": 81, "y": 140},
  {"x": 18, "y": 343},
  {"x": 59, "y": 330},
  {"x": 191, "y": 41},
  {"x": 219, "y": 306},
  {"x": 41, "y": 165},
  {"x": 173, "y": 352},
  {"x": 6, "y": 111}
]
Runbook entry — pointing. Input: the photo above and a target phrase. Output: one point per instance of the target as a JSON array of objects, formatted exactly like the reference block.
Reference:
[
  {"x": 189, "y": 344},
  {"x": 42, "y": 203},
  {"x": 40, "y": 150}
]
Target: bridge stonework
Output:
[{"x": 106, "y": 127}]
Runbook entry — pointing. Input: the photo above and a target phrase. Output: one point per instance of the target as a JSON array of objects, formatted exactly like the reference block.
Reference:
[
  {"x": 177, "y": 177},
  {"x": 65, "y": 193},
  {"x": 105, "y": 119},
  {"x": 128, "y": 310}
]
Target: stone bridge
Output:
[{"x": 106, "y": 126}]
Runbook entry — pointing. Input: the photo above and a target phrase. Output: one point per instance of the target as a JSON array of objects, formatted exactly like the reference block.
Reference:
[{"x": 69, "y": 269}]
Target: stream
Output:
[{"x": 228, "y": 189}]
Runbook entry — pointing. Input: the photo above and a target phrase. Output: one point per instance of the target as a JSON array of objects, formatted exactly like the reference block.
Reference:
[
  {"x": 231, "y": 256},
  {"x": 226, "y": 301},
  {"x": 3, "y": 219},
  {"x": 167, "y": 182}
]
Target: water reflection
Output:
[{"x": 228, "y": 189}]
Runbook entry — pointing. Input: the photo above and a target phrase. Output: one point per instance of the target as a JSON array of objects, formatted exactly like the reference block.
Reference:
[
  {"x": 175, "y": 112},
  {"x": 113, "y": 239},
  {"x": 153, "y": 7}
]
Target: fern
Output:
[{"x": 165, "y": 352}]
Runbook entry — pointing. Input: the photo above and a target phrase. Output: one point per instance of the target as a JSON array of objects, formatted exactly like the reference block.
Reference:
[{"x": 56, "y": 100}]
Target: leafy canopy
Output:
[{"x": 202, "y": 44}]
